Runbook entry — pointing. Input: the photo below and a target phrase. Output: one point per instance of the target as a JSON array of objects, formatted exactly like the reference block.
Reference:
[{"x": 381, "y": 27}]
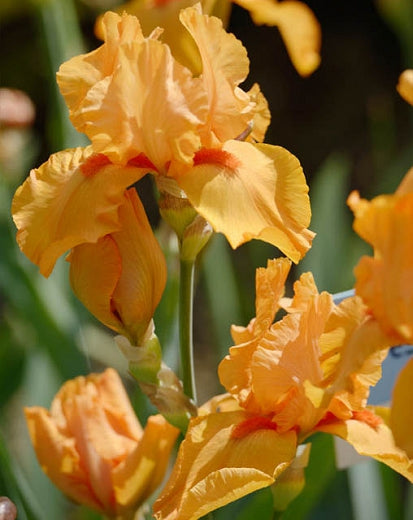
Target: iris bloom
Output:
[
  {"x": 308, "y": 372},
  {"x": 385, "y": 281},
  {"x": 296, "y": 22},
  {"x": 93, "y": 448},
  {"x": 145, "y": 112}
]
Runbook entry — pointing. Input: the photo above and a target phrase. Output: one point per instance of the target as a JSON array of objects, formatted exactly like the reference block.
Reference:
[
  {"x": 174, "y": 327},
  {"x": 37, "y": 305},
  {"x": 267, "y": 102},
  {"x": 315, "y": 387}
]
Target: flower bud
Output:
[{"x": 92, "y": 447}]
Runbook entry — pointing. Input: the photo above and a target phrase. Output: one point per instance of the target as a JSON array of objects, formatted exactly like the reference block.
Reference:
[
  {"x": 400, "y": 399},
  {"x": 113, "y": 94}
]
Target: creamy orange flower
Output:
[
  {"x": 308, "y": 372},
  {"x": 295, "y": 20},
  {"x": 121, "y": 277},
  {"x": 145, "y": 112},
  {"x": 93, "y": 448},
  {"x": 385, "y": 281}
]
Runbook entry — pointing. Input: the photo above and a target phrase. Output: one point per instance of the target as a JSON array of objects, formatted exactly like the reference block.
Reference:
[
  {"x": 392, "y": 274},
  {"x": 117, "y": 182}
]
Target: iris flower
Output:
[
  {"x": 296, "y": 22},
  {"x": 144, "y": 112},
  {"x": 308, "y": 372},
  {"x": 91, "y": 445},
  {"x": 385, "y": 280}
]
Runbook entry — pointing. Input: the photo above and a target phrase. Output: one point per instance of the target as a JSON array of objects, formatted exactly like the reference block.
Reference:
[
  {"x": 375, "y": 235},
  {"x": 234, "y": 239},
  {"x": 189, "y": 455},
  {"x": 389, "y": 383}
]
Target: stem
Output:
[
  {"x": 277, "y": 515},
  {"x": 186, "y": 296}
]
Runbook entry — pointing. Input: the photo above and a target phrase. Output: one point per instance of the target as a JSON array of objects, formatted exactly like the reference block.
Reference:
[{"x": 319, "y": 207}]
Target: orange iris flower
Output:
[
  {"x": 296, "y": 22},
  {"x": 93, "y": 448},
  {"x": 145, "y": 112},
  {"x": 385, "y": 281},
  {"x": 308, "y": 372}
]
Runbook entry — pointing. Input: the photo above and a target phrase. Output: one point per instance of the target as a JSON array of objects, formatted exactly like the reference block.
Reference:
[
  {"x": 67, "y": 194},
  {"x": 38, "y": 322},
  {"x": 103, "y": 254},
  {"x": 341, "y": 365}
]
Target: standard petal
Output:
[
  {"x": 376, "y": 442},
  {"x": 224, "y": 66},
  {"x": 385, "y": 280},
  {"x": 401, "y": 415},
  {"x": 222, "y": 459},
  {"x": 298, "y": 27},
  {"x": 77, "y": 76},
  {"x": 251, "y": 191},
  {"x": 71, "y": 199},
  {"x": 137, "y": 477}
]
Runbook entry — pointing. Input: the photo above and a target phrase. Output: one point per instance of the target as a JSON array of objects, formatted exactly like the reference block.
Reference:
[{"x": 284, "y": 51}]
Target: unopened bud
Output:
[{"x": 291, "y": 482}]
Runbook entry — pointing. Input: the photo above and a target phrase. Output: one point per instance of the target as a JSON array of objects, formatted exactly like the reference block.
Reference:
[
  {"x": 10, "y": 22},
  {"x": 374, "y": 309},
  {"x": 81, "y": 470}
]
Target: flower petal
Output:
[
  {"x": 401, "y": 415},
  {"x": 377, "y": 443},
  {"x": 137, "y": 477},
  {"x": 59, "y": 458},
  {"x": 71, "y": 199},
  {"x": 215, "y": 466},
  {"x": 251, "y": 191},
  {"x": 224, "y": 66},
  {"x": 385, "y": 280},
  {"x": 298, "y": 27},
  {"x": 146, "y": 102}
]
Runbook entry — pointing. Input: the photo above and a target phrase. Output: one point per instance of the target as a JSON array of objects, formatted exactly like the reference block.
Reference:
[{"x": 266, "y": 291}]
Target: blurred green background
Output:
[{"x": 349, "y": 128}]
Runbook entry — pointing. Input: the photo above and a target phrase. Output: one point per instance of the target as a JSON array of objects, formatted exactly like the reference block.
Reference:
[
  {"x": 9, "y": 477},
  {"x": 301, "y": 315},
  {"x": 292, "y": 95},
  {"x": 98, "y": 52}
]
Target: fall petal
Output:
[
  {"x": 377, "y": 443},
  {"x": 141, "y": 473},
  {"x": 251, "y": 191},
  {"x": 401, "y": 414},
  {"x": 215, "y": 466},
  {"x": 71, "y": 199},
  {"x": 298, "y": 27}
]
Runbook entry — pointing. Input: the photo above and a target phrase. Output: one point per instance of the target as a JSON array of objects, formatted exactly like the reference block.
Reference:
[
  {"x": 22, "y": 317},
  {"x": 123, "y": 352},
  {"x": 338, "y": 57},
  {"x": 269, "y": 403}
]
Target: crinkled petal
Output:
[
  {"x": 401, "y": 415},
  {"x": 251, "y": 191},
  {"x": 298, "y": 26},
  {"x": 377, "y": 443},
  {"x": 71, "y": 199},
  {"x": 216, "y": 466},
  {"x": 224, "y": 66},
  {"x": 385, "y": 281}
]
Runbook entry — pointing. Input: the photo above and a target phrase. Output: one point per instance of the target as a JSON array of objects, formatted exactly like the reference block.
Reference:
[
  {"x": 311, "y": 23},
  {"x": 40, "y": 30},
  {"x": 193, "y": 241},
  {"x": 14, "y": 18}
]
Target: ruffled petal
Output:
[
  {"x": 137, "y": 477},
  {"x": 71, "y": 199},
  {"x": 146, "y": 102},
  {"x": 376, "y": 442},
  {"x": 251, "y": 191},
  {"x": 298, "y": 26},
  {"x": 224, "y": 66},
  {"x": 401, "y": 415},
  {"x": 385, "y": 280},
  {"x": 221, "y": 460}
]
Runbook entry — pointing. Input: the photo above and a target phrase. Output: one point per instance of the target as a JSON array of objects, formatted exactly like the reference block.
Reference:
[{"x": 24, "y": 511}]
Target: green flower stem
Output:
[
  {"x": 186, "y": 296},
  {"x": 277, "y": 515}
]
